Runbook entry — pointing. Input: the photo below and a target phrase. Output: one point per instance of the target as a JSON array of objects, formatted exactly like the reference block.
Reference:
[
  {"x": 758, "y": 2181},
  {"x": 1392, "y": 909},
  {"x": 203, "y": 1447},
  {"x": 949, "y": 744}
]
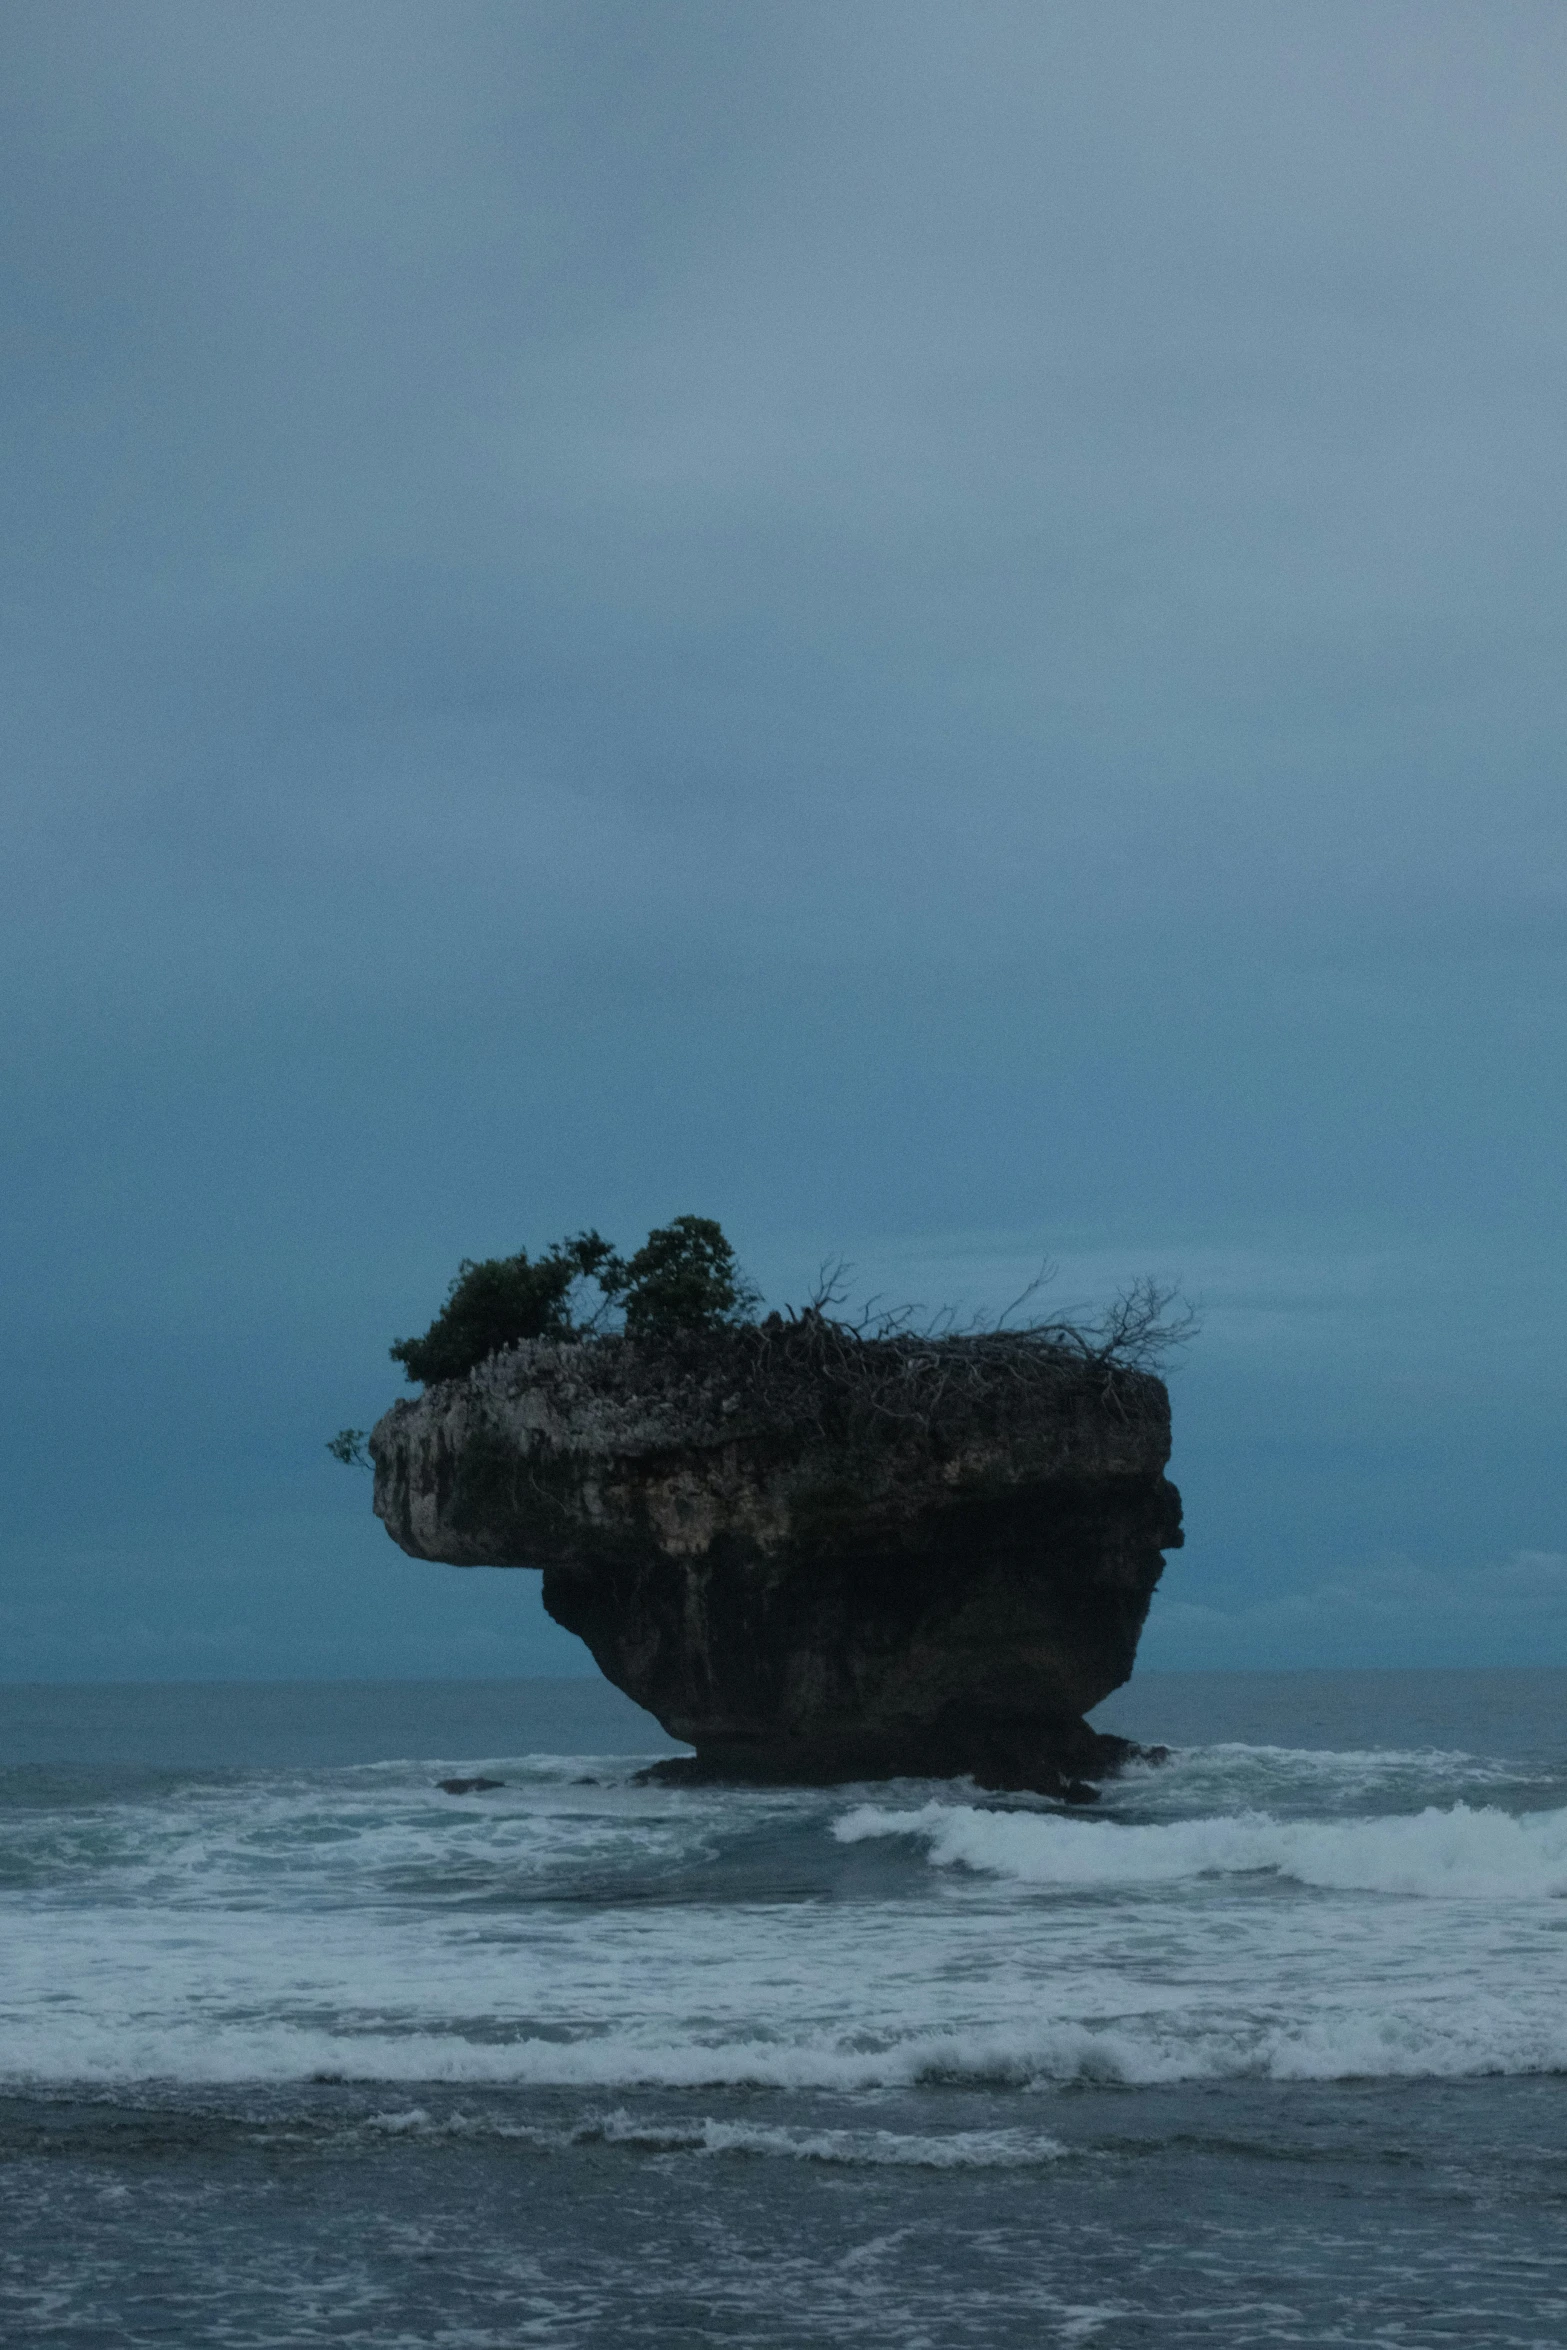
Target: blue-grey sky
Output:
[{"x": 935, "y": 630}]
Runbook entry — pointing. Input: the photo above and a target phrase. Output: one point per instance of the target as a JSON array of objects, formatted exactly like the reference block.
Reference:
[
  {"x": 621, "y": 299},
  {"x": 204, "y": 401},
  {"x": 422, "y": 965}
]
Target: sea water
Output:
[{"x": 296, "y": 2047}]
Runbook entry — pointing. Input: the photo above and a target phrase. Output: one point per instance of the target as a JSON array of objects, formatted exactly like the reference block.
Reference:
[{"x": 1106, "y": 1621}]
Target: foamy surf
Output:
[
  {"x": 1267, "y": 2049},
  {"x": 1454, "y": 1852},
  {"x": 1311, "y": 1782},
  {"x": 1391, "y": 2039},
  {"x": 575, "y": 1931},
  {"x": 1002, "y": 2149}
]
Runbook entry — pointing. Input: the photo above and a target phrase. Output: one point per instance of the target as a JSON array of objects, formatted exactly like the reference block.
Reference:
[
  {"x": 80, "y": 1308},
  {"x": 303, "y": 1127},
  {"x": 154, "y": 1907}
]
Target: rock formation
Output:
[{"x": 815, "y": 1557}]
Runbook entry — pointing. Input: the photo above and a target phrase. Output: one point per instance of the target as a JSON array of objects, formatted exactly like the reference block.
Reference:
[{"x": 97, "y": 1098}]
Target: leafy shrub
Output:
[
  {"x": 499, "y": 1301},
  {"x": 683, "y": 1279}
]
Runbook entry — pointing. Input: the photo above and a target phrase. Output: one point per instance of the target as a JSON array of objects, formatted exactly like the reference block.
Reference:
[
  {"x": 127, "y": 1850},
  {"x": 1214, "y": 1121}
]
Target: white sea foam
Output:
[
  {"x": 1389, "y": 2039},
  {"x": 362, "y": 1926},
  {"x": 1295, "y": 1779},
  {"x": 996, "y": 2149},
  {"x": 1484, "y": 1854},
  {"x": 949, "y": 2150},
  {"x": 1363, "y": 1765},
  {"x": 351, "y": 1835}
]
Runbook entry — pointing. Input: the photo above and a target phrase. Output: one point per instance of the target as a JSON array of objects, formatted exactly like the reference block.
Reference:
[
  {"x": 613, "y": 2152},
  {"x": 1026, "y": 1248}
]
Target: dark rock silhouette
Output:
[
  {"x": 468, "y": 1786},
  {"x": 814, "y": 1557}
]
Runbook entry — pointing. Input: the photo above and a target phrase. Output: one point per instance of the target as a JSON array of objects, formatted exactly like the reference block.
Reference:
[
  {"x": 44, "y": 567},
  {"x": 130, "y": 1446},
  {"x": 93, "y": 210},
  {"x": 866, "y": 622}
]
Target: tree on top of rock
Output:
[
  {"x": 494, "y": 1303},
  {"x": 683, "y": 1279}
]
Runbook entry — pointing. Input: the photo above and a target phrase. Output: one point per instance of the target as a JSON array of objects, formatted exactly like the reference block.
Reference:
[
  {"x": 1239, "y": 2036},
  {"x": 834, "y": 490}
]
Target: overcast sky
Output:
[{"x": 935, "y": 630}]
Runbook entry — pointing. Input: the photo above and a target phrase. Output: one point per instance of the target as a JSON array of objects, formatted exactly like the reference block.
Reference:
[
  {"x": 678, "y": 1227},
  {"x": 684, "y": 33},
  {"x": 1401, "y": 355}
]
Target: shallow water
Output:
[{"x": 1270, "y": 2049}]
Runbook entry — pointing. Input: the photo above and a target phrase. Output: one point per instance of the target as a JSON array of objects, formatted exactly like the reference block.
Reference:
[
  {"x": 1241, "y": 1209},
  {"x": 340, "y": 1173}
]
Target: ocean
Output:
[{"x": 296, "y": 2047}]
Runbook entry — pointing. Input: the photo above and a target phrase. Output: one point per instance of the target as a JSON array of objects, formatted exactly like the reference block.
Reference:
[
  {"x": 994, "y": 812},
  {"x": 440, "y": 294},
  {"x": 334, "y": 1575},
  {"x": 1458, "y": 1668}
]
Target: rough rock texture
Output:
[{"x": 815, "y": 1564}]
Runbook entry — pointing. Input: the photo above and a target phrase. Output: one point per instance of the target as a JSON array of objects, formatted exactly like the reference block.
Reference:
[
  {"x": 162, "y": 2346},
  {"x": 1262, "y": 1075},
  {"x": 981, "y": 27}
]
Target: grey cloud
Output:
[
  {"x": 1385, "y": 1613},
  {"x": 893, "y": 621}
]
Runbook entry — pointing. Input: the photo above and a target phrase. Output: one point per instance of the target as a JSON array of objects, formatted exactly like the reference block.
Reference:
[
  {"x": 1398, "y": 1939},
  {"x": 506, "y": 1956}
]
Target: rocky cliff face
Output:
[{"x": 815, "y": 1559}]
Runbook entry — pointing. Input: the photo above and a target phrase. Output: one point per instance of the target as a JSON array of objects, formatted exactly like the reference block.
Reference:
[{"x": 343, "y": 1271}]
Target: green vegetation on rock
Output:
[{"x": 683, "y": 1279}]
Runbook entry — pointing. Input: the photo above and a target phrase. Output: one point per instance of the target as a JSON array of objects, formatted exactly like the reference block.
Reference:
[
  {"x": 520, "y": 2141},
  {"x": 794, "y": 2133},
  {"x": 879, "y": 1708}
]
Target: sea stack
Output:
[{"x": 812, "y": 1556}]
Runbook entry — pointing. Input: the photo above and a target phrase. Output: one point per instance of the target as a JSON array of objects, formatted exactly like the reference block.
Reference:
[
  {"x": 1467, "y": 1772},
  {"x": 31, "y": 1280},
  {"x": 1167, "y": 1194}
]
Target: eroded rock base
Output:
[{"x": 1026, "y": 1762}]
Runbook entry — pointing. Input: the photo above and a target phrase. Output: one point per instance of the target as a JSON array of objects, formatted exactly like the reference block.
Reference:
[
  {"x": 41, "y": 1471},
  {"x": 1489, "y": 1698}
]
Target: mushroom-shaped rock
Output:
[{"x": 812, "y": 1556}]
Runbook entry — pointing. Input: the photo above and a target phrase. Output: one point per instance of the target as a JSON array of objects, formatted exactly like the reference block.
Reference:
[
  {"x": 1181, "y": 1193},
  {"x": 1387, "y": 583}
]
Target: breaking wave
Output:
[
  {"x": 1405, "y": 2033},
  {"x": 1455, "y": 1852},
  {"x": 574, "y": 1931}
]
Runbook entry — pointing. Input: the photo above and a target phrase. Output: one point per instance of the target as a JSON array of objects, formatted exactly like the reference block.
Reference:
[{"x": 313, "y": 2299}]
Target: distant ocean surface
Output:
[{"x": 296, "y": 2048}]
